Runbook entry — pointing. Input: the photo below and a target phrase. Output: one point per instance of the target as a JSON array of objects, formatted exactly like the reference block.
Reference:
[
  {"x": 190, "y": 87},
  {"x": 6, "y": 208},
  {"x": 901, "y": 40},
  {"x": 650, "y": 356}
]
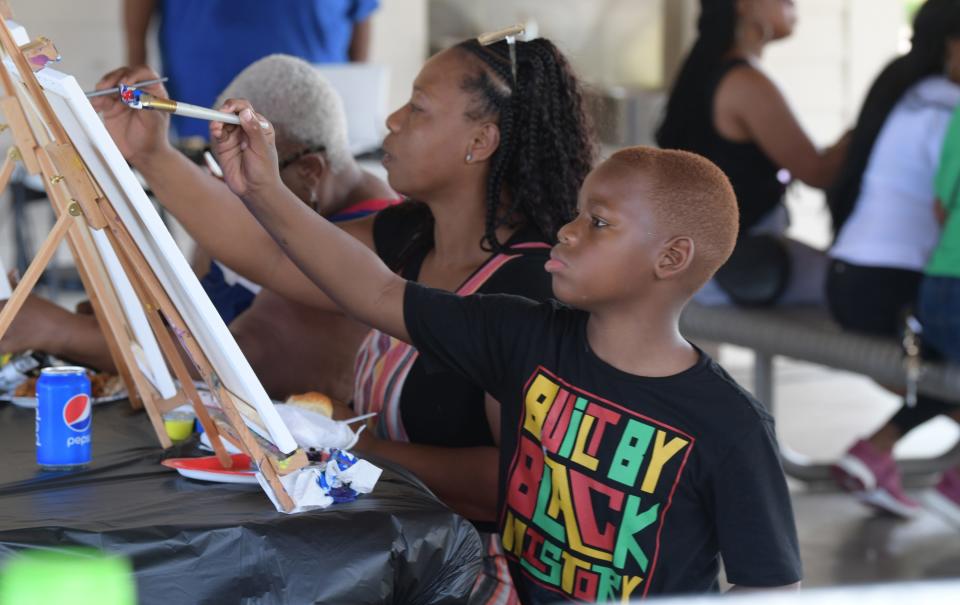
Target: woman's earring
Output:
[{"x": 469, "y": 157}]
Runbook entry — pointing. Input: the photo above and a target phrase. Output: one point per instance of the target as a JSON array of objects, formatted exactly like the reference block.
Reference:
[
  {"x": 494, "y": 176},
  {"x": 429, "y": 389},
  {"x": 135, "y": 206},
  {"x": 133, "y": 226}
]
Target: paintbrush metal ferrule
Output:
[{"x": 152, "y": 102}]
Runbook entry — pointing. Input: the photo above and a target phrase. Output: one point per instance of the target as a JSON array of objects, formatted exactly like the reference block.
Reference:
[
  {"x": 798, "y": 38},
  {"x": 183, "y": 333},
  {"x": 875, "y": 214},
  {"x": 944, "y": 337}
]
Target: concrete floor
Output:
[{"x": 819, "y": 412}]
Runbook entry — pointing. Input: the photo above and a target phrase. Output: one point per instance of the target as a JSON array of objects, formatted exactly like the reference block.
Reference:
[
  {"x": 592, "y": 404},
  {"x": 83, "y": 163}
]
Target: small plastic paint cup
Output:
[{"x": 179, "y": 423}]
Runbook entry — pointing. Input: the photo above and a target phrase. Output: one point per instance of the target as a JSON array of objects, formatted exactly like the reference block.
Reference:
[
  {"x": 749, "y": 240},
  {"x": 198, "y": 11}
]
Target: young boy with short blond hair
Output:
[{"x": 631, "y": 463}]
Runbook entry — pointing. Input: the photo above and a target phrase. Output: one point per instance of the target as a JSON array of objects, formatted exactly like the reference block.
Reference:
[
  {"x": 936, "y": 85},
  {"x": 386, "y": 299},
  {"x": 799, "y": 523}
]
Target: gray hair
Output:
[{"x": 302, "y": 105}]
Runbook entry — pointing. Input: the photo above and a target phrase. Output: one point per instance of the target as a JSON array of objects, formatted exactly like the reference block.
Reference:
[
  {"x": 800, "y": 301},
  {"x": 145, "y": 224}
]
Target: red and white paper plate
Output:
[{"x": 208, "y": 468}]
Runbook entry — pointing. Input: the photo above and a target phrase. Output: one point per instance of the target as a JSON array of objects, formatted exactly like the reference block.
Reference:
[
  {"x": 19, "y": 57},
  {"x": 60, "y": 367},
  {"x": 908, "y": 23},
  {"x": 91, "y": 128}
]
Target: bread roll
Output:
[{"x": 313, "y": 401}]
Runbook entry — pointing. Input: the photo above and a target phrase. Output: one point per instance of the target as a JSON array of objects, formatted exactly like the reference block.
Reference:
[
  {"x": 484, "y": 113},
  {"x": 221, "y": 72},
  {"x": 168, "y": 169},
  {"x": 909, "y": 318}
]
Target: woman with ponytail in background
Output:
[
  {"x": 724, "y": 107},
  {"x": 491, "y": 165},
  {"x": 884, "y": 213}
]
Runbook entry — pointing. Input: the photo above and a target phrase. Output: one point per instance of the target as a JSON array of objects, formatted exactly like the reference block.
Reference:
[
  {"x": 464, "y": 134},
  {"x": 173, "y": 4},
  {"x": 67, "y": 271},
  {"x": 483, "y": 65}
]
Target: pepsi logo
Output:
[{"x": 77, "y": 413}]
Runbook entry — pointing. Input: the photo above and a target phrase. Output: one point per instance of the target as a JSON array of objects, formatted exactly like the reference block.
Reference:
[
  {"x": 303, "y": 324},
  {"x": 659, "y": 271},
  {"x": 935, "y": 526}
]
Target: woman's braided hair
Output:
[{"x": 546, "y": 141}]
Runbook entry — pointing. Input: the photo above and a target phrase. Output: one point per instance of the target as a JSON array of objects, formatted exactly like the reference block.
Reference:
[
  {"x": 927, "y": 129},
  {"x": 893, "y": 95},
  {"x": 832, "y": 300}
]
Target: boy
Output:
[{"x": 629, "y": 460}]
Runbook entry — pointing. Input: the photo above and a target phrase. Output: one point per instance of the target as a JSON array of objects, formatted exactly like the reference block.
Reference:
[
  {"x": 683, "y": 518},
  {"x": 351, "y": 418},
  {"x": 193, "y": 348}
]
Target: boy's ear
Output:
[
  {"x": 676, "y": 256},
  {"x": 485, "y": 141}
]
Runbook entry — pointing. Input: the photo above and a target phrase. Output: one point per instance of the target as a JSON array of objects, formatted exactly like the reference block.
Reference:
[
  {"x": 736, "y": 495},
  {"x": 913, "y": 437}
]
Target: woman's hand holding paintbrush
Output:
[
  {"x": 152, "y": 98},
  {"x": 249, "y": 164},
  {"x": 138, "y": 134},
  {"x": 202, "y": 204}
]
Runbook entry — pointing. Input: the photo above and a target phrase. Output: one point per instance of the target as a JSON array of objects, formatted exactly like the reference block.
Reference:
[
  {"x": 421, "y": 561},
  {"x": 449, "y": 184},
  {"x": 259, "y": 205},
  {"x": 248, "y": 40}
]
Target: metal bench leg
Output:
[
  {"x": 763, "y": 379},
  {"x": 795, "y": 464},
  {"x": 799, "y": 466}
]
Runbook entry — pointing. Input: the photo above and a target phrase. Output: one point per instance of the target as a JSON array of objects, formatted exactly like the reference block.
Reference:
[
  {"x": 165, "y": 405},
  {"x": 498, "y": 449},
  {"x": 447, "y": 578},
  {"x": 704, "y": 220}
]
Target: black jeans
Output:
[{"x": 875, "y": 300}]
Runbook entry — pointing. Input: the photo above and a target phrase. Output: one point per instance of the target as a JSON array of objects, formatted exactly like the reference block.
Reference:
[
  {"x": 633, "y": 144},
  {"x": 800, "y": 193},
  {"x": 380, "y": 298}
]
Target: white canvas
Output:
[
  {"x": 141, "y": 219},
  {"x": 146, "y": 349}
]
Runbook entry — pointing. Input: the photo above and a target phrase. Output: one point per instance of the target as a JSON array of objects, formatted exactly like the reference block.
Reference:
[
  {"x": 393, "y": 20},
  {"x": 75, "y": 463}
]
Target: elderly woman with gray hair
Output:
[
  {"x": 291, "y": 347},
  {"x": 315, "y": 161}
]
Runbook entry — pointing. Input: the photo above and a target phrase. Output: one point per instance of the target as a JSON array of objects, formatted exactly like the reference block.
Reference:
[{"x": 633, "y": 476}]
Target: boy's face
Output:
[{"x": 607, "y": 254}]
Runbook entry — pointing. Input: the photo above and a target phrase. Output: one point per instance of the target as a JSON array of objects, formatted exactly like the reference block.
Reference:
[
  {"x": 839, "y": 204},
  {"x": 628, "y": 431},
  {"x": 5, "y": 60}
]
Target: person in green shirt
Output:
[
  {"x": 938, "y": 306},
  {"x": 868, "y": 469},
  {"x": 883, "y": 248},
  {"x": 943, "y": 270}
]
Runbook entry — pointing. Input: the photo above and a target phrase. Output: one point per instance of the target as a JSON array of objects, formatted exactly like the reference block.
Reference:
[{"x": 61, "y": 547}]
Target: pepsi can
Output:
[{"x": 64, "y": 417}]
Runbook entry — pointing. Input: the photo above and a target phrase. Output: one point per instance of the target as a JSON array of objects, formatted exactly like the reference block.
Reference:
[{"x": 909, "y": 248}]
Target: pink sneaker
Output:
[
  {"x": 872, "y": 476},
  {"x": 944, "y": 499}
]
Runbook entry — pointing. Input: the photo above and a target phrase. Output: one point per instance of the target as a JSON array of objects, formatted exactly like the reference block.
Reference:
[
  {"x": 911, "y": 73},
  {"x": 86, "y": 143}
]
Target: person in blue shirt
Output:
[{"x": 204, "y": 44}]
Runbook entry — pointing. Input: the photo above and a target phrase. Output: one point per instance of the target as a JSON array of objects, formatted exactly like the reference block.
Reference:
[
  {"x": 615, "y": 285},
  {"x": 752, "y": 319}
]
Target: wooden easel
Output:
[{"x": 80, "y": 205}]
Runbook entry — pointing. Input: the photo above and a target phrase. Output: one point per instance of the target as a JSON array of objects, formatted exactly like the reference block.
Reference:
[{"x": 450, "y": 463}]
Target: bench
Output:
[{"x": 809, "y": 334}]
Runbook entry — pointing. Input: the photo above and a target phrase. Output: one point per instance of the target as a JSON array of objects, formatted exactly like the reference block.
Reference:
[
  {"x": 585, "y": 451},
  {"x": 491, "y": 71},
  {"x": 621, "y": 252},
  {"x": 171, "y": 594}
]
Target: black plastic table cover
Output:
[{"x": 195, "y": 542}]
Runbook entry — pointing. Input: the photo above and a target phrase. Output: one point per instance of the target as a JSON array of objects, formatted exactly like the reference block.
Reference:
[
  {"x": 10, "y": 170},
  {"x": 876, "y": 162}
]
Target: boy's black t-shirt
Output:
[{"x": 613, "y": 485}]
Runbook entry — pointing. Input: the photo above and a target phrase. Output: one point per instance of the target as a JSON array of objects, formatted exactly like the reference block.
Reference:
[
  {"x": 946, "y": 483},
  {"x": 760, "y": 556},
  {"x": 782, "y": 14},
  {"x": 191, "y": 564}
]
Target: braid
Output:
[
  {"x": 495, "y": 182},
  {"x": 546, "y": 142}
]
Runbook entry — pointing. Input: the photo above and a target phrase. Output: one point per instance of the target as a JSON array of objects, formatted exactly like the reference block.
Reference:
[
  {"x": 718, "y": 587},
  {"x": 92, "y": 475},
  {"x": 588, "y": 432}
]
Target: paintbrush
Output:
[
  {"x": 509, "y": 34},
  {"x": 106, "y": 91},
  {"x": 137, "y": 99}
]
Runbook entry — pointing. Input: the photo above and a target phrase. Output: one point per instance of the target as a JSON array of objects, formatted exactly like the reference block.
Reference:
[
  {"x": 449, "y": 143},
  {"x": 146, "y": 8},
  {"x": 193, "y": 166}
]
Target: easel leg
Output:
[
  {"x": 170, "y": 351},
  {"x": 95, "y": 283},
  {"x": 6, "y": 171},
  {"x": 32, "y": 275},
  {"x": 91, "y": 289},
  {"x": 136, "y": 265}
]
